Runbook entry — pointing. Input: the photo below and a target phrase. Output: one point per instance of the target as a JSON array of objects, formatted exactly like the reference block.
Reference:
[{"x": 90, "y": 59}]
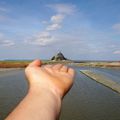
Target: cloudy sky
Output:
[{"x": 80, "y": 29}]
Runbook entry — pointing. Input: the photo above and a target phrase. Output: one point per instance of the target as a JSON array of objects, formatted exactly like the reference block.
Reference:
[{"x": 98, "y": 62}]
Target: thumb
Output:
[{"x": 36, "y": 63}]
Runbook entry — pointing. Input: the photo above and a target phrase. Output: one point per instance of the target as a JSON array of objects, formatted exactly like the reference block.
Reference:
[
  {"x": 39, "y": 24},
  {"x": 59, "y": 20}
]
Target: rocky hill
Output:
[{"x": 59, "y": 57}]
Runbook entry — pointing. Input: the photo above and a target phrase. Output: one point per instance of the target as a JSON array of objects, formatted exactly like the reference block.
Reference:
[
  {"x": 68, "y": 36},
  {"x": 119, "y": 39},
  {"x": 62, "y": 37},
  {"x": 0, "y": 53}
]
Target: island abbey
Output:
[{"x": 59, "y": 57}]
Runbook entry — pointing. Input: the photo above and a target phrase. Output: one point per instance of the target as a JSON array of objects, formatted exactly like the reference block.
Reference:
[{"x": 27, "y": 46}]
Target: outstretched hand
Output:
[
  {"x": 55, "y": 78},
  {"x": 48, "y": 84}
]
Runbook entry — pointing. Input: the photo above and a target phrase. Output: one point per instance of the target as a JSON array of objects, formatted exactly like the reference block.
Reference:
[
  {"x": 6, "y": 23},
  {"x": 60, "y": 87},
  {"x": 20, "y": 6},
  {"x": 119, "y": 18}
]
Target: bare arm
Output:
[{"x": 47, "y": 86}]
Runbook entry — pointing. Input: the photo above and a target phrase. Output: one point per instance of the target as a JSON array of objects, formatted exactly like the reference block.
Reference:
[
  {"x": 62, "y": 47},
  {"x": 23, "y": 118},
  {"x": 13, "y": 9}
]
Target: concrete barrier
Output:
[{"x": 102, "y": 80}]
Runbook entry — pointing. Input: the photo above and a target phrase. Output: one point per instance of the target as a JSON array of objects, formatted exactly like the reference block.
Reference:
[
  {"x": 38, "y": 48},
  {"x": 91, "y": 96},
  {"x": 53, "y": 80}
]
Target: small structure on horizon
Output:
[{"x": 59, "y": 57}]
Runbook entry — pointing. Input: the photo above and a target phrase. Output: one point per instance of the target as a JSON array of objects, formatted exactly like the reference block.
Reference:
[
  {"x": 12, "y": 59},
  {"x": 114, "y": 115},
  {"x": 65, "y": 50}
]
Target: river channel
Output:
[{"x": 87, "y": 100}]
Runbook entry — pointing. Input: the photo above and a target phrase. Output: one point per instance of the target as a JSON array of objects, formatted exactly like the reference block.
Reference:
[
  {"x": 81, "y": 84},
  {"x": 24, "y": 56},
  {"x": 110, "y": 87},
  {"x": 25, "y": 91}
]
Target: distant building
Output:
[{"x": 59, "y": 57}]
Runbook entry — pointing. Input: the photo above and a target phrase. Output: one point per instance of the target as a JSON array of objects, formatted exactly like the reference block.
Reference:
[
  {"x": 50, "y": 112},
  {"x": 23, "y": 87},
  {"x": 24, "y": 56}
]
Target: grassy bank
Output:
[
  {"x": 23, "y": 64},
  {"x": 99, "y": 64},
  {"x": 13, "y": 64}
]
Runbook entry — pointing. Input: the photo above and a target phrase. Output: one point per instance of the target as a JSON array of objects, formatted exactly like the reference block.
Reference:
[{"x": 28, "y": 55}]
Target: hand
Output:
[{"x": 55, "y": 78}]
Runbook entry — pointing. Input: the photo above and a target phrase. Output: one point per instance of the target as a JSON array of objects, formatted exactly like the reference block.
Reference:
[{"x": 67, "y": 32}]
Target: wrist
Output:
[
  {"x": 49, "y": 97},
  {"x": 43, "y": 88},
  {"x": 38, "y": 91}
]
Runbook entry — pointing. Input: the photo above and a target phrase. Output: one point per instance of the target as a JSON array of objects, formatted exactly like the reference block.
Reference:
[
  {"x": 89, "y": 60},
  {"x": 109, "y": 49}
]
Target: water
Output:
[
  {"x": 13, "y": 88},
  {"x": 87, "y": 100}
]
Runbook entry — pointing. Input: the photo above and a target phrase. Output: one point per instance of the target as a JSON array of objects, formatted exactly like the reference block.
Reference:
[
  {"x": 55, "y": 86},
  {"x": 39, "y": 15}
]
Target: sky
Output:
[{"x": 80, "y": 29}]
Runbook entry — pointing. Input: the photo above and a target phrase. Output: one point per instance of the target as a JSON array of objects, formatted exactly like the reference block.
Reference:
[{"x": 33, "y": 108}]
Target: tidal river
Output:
[{"x": 87, "y": 100}]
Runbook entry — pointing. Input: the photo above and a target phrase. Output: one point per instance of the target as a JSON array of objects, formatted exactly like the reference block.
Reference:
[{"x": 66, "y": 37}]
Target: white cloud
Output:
[
  {"x": 57, "y": 18},
  {"x": 112, "y": 46},
  {"x": 116, "y": 52},
  {"x": 3, "y": 14},
  {"x": 53, "y": 27},
  {"x": 54, "y": 23},
  {"x": 2, "y": 9},
  {"x": 3, "y": 18},
  {"x": 44, "y": 22},
  {"x": 4, "y": 41},
  {"x": 63, "y": 8},
  {"x": 116, "y": 27},
  {"x": 62, "y": 11},
  {"x": 43, "y": 38}
]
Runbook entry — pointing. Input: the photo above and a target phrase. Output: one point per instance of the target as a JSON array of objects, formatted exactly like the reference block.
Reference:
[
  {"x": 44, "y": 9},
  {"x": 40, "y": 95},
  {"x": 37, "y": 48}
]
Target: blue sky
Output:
[{"x": 81, "y": 29}]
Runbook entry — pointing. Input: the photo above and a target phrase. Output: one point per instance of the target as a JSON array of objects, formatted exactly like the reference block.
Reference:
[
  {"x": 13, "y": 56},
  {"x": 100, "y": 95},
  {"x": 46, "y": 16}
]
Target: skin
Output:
[{"x": 48, "y": 85}]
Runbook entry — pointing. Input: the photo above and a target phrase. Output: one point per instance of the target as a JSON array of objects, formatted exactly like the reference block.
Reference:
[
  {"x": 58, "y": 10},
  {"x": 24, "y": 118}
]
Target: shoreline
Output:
[
  {"x": 24, "y": 64},
  {"x": 9, "y": 69}
]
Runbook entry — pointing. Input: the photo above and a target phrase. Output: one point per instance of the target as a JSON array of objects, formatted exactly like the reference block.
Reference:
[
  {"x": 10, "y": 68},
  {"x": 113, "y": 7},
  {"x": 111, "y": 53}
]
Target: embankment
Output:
[{"x": 102, "y": 80}]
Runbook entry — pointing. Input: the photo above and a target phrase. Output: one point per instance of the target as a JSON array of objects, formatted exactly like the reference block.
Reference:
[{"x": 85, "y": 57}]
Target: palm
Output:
[{"x": 57, "y": 77}]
